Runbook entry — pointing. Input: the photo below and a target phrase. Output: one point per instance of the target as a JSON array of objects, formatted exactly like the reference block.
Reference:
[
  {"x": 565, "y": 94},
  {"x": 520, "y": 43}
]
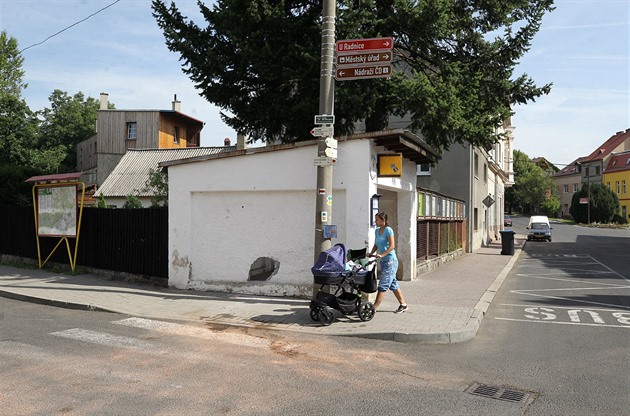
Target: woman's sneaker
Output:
[{"x": 401, "y": 309}]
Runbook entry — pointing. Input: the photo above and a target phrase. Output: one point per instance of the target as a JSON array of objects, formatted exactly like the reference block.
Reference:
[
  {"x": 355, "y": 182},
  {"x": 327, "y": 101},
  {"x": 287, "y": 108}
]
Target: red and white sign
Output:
[
  {"x": 362, "y": 45},
  {"x": 583, "y": 200}
]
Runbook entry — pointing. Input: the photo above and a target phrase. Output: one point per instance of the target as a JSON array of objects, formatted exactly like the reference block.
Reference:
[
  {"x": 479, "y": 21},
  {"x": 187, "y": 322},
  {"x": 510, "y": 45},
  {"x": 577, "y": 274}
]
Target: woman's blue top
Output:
[{"x": 382, "y": 242}]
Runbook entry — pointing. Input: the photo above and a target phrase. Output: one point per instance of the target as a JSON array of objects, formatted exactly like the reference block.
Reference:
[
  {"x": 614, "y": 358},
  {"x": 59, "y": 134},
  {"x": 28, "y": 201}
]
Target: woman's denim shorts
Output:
[{"x": 388, "y": 275}]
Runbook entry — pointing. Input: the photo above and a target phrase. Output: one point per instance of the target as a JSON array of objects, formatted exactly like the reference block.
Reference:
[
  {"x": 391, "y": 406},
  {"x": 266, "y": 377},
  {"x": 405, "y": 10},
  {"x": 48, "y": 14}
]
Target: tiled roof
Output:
[
  {"x": 608, "y": 146},
  {"x": 618, "y": 162},
  {"x": 132, "y": 172},
  {"x": 570, "y": 169}
]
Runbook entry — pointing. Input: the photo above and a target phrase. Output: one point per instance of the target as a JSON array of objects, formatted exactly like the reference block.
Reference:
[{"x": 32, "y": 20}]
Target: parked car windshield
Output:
[{"x": 539, "y": 226}]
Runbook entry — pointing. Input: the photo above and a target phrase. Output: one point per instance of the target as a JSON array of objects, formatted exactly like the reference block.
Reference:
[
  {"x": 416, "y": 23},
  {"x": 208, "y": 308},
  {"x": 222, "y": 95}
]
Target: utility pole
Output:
[{"x": 323, "y": 205}]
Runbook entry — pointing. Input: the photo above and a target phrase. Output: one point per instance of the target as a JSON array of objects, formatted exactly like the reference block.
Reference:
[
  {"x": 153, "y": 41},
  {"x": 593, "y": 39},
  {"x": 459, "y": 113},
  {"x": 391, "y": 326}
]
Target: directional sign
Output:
[
  {"x": 362, "y": 45},
  {"x": 324, "y": 161},
  {"x": 364, "y": 58},
  {"x": 323, "y": 131},
  {"x": 325, "y": 119},
  {"x": 331, "y": 142},
  {"x": 374, "y": 71},
  {"x": 330, "y": 152}
]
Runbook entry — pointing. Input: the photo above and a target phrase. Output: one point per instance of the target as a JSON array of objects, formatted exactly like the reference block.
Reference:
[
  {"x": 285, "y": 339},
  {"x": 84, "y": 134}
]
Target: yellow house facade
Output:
[{"x": 617, "y": 178}]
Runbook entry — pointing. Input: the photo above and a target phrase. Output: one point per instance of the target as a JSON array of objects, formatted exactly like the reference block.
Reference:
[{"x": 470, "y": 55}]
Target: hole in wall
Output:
[{"x": 262, "y": 269}]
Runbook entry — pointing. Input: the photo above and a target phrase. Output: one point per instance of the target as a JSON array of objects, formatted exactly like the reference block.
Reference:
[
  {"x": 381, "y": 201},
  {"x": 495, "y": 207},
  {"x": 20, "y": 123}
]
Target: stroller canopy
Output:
[{"x": 330, "y": 262}]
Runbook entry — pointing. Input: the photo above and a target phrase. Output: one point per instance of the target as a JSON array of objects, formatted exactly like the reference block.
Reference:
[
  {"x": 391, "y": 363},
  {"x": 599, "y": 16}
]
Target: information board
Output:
[{"x": 57, "y": 211}]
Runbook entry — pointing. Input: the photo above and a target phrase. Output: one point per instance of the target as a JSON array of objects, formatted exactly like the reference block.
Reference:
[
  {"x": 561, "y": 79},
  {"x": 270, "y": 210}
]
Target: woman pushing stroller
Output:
[{"x": 384, "y": 249}]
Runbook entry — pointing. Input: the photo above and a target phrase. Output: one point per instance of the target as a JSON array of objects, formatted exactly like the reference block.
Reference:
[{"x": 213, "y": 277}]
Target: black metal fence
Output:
[{"x": 124, "y": 240}]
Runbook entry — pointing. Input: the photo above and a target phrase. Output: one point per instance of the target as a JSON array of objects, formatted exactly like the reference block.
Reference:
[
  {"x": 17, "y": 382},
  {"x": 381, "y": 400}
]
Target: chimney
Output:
[
  {"x": 241, "y": 143},
  {"x": 176, "y": 104},
  {"x": 104, "y": 101},
  {"x": 227, "y": 141}
]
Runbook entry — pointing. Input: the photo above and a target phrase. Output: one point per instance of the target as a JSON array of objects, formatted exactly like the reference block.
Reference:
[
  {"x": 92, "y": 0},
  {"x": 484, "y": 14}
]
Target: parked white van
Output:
[{"x": 539, "y": 228}]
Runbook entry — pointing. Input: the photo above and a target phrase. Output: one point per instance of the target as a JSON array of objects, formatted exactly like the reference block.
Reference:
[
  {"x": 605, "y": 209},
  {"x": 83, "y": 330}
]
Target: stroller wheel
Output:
[
  {"x": 326, "y": 316},
  {"x": 366, "y": 311},
  {"x": 314, "y": 314}
]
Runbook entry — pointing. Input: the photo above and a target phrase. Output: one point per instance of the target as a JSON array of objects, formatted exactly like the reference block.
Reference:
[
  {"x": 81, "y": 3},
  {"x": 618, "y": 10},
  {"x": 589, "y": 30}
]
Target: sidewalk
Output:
[{"x": 445, "y": 305}]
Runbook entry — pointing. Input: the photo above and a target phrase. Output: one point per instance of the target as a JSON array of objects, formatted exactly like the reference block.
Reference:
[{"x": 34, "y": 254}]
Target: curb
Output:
[{"x": 51, "y": 302}]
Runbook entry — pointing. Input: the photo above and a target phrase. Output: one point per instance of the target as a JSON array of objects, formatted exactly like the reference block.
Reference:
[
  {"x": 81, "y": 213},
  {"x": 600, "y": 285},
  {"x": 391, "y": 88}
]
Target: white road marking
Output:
[
  {"x": 194, "y": 331},
  {"x": 110, "y": 340},
  {"x": 599, "y": 314},
  {"x": 563, "y": 323},
  {"x": 525, "y": 305}
]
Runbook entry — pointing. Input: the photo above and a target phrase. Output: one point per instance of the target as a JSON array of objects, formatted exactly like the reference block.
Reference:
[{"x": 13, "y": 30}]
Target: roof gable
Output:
[
  {"x": 618, "y": 162},
  {"x": 609, "y": 146}
]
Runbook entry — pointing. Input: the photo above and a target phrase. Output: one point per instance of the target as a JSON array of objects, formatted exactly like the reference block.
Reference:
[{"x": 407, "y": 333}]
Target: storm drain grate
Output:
[{"x": 499, "y": 393}]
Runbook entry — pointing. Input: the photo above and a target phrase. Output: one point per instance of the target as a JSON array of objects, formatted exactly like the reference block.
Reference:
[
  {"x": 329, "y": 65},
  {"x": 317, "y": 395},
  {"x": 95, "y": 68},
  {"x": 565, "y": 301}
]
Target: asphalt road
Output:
[
  {"x": 557, "y": 333},
  {"x": 564, "y": 312}
]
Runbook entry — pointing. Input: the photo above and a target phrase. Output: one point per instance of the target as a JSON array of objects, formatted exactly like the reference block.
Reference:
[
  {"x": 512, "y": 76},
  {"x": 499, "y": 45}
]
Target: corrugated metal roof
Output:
[{"x": 132, "y": 172}]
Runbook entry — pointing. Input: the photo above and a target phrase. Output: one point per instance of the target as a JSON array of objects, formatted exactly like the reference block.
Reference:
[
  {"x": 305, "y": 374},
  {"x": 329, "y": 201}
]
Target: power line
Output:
[{"x": 72, "y": 25}]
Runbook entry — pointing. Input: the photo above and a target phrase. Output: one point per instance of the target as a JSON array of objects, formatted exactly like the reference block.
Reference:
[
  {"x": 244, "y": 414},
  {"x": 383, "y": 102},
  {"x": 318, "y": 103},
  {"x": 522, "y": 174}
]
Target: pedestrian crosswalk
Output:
[
  {"x": 163, "y": 327},
  {"x": 109, "y": 340}
]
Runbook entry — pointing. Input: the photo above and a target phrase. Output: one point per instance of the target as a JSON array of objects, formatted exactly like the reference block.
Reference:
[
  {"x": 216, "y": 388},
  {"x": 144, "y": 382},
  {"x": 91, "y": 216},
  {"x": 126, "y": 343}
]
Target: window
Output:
[
  {"x": 423, "y": 169},
  {"x": 132, "y": 131},
  {"x": 476, "y": 220},
  {"x": 476, "y": 165},
  {"x": 485, "y": 173},
  {"x": 587, "y": 171},
  {"x": 565, "y": 189},
  {"x": 176, "y": 135},
  {"x": 623, "y": 186},
  {"x": 575, "y": 187},
  {"x": 608, "y": 185},
  {"x": 617, "y": 187},
  {"x": 597, "y": 168}
]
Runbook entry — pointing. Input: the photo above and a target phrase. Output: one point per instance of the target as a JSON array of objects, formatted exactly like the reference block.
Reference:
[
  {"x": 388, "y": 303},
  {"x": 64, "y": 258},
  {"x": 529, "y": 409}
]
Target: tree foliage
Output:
[
  {"x": 157, "y": 185},
  {"x": 41, "y": 142},
  {"x": 132, "y": 202},
  {"x": 259, "y": 61},
  {"x": 604, "y": 204},
  {"x": 11, "y": 72},
  {"x": 13, "y": 188},
  {"x": 68, "y": 121},
  {"x": 533, "y": 188}
]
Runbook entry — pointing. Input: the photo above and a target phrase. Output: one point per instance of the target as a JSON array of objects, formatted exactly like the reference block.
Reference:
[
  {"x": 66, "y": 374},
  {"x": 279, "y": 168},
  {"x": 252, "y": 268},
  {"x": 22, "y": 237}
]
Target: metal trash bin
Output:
[{"x": 507, "y": 242}]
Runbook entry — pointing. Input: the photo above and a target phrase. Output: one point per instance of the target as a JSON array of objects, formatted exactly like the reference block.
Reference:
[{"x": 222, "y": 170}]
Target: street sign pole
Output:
[{"x": 323, "y": 204}]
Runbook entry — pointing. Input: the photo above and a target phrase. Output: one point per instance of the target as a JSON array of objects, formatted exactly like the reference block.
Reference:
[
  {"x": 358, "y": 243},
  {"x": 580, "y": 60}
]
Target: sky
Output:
[{"x": 582, "y": 48}]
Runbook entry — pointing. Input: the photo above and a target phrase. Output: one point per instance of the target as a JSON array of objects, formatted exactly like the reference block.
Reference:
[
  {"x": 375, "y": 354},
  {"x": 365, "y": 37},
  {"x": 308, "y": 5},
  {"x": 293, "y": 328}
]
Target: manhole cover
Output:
[{"x": 500, "y": 393}]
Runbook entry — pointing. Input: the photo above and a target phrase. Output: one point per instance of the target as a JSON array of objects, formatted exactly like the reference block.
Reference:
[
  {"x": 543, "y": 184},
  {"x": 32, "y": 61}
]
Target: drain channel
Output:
[{"x": 499, "y": 393}]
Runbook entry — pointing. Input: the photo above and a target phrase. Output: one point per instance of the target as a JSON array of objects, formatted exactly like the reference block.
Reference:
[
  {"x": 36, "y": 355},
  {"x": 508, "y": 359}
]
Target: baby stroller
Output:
[{"x": 350, "y": 279}]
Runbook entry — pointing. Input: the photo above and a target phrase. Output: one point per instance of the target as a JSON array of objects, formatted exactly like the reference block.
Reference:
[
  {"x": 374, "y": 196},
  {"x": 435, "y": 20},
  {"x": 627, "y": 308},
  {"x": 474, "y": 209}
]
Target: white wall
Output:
[{"x": 226, "y": 212}]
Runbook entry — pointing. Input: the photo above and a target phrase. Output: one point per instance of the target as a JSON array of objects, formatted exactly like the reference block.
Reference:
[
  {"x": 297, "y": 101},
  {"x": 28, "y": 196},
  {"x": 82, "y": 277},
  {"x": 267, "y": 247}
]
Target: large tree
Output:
[
  {"x": 533, "y": 187},
  {"x": 602, "y": 205},
  {"x": 68, "y": 121},
  {"x": 11, "y": 72},
  {"x": 454, "y": 64}
]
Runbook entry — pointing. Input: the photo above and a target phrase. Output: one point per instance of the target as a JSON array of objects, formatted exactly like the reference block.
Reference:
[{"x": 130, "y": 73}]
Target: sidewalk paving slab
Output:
[{"x": 446, "y": 305}]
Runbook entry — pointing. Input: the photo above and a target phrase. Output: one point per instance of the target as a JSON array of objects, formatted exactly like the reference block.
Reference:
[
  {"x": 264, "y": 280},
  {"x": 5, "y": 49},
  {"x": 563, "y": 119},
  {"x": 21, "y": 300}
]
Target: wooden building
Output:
[{"x": 120, "y": 130}]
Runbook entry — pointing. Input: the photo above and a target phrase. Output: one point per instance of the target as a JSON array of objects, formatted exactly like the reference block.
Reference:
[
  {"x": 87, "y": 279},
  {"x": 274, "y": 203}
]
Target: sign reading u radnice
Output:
[{"x": 364, "y": 58}]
